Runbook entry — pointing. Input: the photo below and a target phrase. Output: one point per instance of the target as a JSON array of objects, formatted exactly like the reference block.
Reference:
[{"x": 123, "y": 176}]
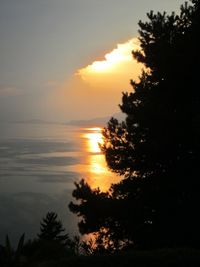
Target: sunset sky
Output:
[{"x": 68, "y": 59}]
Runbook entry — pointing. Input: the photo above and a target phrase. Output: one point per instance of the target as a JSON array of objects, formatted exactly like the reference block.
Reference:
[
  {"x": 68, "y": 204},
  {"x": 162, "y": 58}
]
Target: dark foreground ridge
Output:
[{"x": 157, "y": 258}]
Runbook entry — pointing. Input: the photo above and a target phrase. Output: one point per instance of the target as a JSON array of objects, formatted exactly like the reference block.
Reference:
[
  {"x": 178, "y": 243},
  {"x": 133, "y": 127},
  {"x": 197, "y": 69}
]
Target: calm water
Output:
[{"x": 39, "y": 164}]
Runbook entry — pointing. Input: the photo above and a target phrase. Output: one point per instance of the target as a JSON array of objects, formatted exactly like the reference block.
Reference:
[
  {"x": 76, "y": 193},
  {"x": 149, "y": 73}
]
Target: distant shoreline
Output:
[{"x": 98, "y": 122}]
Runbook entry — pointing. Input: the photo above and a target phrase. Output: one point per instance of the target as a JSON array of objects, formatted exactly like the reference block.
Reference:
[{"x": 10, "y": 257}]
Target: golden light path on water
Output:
[
  {"x": 94, "y": 139},
  {"x": 98, "y": 173}
]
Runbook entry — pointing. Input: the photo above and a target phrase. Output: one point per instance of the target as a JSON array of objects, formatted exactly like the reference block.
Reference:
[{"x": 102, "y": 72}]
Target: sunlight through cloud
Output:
[
  {"x": 113, "y": 60},
  {"x": 103, "y": 81}
]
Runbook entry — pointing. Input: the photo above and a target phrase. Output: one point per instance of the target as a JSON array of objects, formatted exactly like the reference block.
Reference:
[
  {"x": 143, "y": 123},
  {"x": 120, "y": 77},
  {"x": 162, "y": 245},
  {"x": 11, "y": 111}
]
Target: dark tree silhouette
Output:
[
  {"x": 51, "y": 229},
  {"x": 156, "y": 149},
  {"x": 52, "y": 243}
]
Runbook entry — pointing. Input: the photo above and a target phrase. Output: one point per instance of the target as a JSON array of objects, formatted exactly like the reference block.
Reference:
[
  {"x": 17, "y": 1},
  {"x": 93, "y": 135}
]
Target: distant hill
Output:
[
  {"x": 98, "y": 122},
  {"x": 101, "y": 121}
]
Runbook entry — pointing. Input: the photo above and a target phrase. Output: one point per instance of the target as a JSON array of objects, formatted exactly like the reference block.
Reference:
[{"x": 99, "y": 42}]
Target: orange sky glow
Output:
[
  {"x": 119, "y": 62},
  {"x": 101, "y": 81}
]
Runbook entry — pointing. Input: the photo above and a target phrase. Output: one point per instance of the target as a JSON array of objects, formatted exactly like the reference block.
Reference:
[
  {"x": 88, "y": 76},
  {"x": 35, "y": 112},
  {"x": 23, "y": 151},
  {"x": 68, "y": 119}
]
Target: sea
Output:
[{"x": 39, "y": 165}]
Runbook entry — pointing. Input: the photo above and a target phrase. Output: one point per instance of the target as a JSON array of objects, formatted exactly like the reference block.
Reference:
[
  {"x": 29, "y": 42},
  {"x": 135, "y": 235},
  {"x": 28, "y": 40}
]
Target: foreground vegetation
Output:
[
  {"x": 156, "y": 258},
  {"x": 53, "y": 248},
  {"x": 173, "y": 257}
]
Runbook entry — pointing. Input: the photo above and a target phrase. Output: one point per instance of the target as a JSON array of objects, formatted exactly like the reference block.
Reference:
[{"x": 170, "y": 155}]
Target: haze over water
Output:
[{"x": 39, "y": 164}]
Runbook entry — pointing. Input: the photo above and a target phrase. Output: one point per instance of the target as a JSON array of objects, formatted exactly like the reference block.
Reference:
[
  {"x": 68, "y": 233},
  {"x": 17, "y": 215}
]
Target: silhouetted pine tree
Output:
[
  {"x": 156, "y": 149},
  {"x": 51, "y": 229}
]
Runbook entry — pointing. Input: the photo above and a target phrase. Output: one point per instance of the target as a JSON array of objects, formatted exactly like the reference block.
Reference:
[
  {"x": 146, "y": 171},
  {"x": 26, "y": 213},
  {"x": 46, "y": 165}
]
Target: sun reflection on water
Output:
[
  {"x": 94, "y": 138},
  {"x": 98, "y": 174},
  {"x": 97, "y": 164}
]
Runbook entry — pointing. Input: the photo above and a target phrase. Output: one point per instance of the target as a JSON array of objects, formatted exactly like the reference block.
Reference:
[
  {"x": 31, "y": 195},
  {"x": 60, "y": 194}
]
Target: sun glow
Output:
[
  {"x": 100, "y": 80},
  {"x": 120, "y": 55}
]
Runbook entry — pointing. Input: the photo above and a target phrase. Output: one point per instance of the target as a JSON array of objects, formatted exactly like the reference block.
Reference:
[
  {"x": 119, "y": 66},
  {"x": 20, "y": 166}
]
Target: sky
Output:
[{"x": 62, "y": 60}]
